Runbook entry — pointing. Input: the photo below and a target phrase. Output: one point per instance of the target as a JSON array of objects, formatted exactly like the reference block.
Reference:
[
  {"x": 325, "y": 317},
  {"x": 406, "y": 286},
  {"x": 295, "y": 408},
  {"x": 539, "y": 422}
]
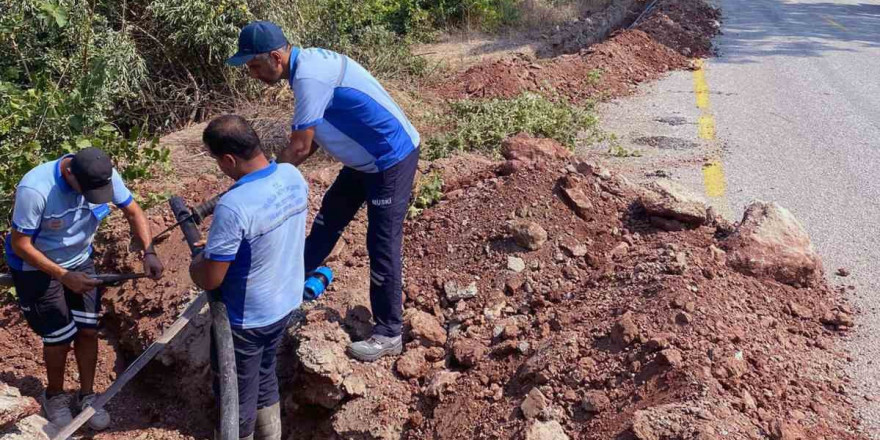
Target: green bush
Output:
[
  {"x": 482, "y": 125},
  {"x": 67, "y": 71}
]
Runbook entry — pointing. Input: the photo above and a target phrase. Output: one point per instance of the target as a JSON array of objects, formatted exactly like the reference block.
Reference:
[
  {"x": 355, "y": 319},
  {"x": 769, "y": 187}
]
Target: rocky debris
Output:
[
  {"x": 425, "y": 328},
  {"x": 670, "y": 201},
  {"x": 321, "y": 355},
  {"x": 575, "y": 250},
  {"x": 842, "y": 272},
  {"x": 670, "y": 421},
  {"x": 468, "y": 352},
  {"x": 770, "y": 242},
  {"x": 371, "y": 418},
  {"x": 14, "y": 407},
  {"x": 526, "y": 148},
  {"x": 528, "y": 234},
  {"x": 576, "y": 198},
  {"x": 837, "y": 318},
  {"x": 516, "y": 264},
  {"x": 625, "y": 330},
  {"x": 671, "y": 357},
  {"x": 535, "y": 404},
  {"x": 455, "y": 292},
  {"x": 786, "y": 430},
  {"x": 550, "y": 430},
  {"x": 596, "y": 401},
  {"x": 33, "y": 427},
  {"x": 412, "y": 365},
  {"x": 441, "y": 382}
]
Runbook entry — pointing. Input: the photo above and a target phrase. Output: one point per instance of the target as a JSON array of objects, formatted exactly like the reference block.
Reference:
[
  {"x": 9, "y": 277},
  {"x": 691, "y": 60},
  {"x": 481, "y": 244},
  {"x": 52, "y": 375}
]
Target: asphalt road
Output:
[{"x": 788, "y": 112}]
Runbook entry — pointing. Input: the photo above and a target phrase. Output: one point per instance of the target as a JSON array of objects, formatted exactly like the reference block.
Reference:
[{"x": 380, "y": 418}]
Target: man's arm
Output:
[
  {"x": 208, "y": 274},
  {"x": 300, "y": 147},
  {"x": 141, "y": 230},
  {"x": 24, "y": 248}
]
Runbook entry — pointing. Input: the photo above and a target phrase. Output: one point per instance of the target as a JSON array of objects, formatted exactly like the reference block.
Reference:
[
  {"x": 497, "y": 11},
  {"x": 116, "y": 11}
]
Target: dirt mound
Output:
[
  {"x": 670, "y": 32},
  {"x": 687, "y": 26}
]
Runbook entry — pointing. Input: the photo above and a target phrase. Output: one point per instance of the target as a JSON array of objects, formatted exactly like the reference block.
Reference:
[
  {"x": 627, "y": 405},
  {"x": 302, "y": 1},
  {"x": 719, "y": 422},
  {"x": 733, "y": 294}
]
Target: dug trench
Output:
[{"x": 545, "y": 298}]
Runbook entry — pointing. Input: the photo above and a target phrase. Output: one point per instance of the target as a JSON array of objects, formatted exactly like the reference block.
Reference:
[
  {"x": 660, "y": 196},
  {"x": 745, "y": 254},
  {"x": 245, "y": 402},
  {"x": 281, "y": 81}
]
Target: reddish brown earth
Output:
[{"x": 672, "y": 31}]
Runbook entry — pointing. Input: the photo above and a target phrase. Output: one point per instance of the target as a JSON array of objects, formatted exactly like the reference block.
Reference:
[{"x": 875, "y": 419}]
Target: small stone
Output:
[
  {"x": 620, "y": 250},
  {"x": 576, "y": 251},
  {"x": 671, "y": 357},
  {"x": 523, "y": 347},
  {"x": 441, "y": 382},
  {"x": 468, "y": 352},
  {"x": 354, "y": 385},
  {"x": 624, "y": 331},
  {"x": 454, "y": 292},
  {"x": 513, "y": 285},
  {"x": 551, "y": 430},
  {"x": 425, "y": 328},
  {"x": 842, "y": 272},
  {"x": 534, "y": 404},
  {"x": 528, "y": 234},
  {"x": 596, "y": 401},
  {"x": 683, "y": 318},
  {"x": 412, "y": 365},
  {"x": 516, "y": 264}
]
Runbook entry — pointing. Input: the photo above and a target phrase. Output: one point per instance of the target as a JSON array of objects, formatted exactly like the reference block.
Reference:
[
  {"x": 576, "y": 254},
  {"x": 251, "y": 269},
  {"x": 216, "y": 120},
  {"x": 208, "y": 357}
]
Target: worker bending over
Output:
[
  {"x": 58, "y": 208},
  {"x": 343, "y": 109}
]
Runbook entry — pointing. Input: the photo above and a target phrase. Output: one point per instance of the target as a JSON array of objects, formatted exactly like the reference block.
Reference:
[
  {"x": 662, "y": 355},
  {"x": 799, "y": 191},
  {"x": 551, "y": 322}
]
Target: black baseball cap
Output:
[
  {"x": 256, "y": 38},
  {"x": 93, "y": 171}
]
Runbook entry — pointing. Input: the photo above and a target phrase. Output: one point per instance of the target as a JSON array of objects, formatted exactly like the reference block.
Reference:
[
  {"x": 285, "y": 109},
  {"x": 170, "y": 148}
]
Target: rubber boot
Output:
[
  {"x": 268, "y": 425},
  {"x": 217, "y": 436}
]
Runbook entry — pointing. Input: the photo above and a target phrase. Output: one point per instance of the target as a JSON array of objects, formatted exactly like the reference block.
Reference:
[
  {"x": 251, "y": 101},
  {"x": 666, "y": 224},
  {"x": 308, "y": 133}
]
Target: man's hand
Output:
[
  {"x": 153, "y": 266},
  {"x": 79, "y": 282}
]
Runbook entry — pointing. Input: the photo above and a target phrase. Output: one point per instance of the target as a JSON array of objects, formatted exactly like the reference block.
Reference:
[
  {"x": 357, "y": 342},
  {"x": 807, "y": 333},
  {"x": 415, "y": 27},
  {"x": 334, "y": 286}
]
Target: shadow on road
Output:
[{"x": 773, "y": 28}]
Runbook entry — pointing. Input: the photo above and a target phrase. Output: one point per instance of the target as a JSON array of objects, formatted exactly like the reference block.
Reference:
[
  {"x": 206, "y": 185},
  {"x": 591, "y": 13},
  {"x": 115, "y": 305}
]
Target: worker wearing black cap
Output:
[{"x": 58, "y": 208}]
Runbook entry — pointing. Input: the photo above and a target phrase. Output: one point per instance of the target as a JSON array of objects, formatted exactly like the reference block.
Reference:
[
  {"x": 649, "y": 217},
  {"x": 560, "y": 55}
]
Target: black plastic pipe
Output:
[{"x": 220, "y": 331}]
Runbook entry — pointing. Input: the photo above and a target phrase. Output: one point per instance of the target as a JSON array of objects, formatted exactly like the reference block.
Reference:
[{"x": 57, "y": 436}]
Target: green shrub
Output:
[
  {"x": 429, "y": 191},
  {"x": 482, "y": 125}
]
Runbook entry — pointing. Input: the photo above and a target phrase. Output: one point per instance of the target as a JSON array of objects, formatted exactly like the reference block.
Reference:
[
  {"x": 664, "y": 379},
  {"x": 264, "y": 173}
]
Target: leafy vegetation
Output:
[
  {"x": 482, "y": 125},
  {"x": 429, "y": 191}
]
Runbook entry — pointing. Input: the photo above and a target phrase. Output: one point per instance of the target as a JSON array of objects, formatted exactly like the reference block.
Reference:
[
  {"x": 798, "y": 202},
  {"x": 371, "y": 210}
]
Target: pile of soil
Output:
[
  {"x": 662, "y": 41},
  {"x": 541, "y": 302},
  {"x": 609, "y": 328}
]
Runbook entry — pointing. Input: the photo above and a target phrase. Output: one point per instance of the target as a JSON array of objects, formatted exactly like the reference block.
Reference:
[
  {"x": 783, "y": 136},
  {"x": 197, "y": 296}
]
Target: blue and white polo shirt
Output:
[
  {"x": 355, "y": 119},
  {"x": 260, "y": 227},
  {"x": 61, "y": 222}
]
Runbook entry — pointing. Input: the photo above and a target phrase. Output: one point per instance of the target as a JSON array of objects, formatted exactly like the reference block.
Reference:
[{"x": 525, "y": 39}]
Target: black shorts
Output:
[{"x": 53, "y": 311}]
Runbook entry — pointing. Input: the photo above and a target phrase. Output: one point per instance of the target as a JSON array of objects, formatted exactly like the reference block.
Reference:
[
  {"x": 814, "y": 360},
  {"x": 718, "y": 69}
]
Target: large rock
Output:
[
  {"x": 535, "y": 404},
  {"x": 770, "y": 242},
  {"x": 321, "y": 355},
  {"x": 31, "y": 428},
  {"x": 669, "y": 200},
  {"x": 456, "y": 292},
  {"x": 526, "y": 148},
  {"x": 14, "y": 407},
  {"x": 551, "y": 430},
  {"x": 425, "y": 328},
  {"x": 378, "y": 417},
  {"x": 528, "y": 234}
]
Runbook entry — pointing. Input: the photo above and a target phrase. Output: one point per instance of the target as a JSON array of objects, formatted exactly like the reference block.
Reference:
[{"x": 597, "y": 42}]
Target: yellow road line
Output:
[
  {"x": 834, "y": 23},
  {"x": 714, "y": 180},
  {"x": 706, "y": 127}
]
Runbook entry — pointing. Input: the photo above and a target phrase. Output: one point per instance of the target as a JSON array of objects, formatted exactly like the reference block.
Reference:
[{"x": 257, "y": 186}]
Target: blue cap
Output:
[{"x": 256, "y": 38}]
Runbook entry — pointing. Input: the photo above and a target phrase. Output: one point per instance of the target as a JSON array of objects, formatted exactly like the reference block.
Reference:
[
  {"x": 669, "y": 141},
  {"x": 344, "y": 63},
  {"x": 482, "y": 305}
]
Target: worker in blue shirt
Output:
[
  {"x": 254, "y": 257},
  {"x": 58, "y": 208},
  {"x": 341, "y": 108}
]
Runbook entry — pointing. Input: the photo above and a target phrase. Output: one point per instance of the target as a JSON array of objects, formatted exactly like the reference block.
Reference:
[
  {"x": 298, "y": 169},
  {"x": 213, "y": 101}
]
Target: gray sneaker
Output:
[
  {"x": 375, "y": 347},
  {"x": 57, "y": 409},
  {"x": 101, "y": 420}
]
